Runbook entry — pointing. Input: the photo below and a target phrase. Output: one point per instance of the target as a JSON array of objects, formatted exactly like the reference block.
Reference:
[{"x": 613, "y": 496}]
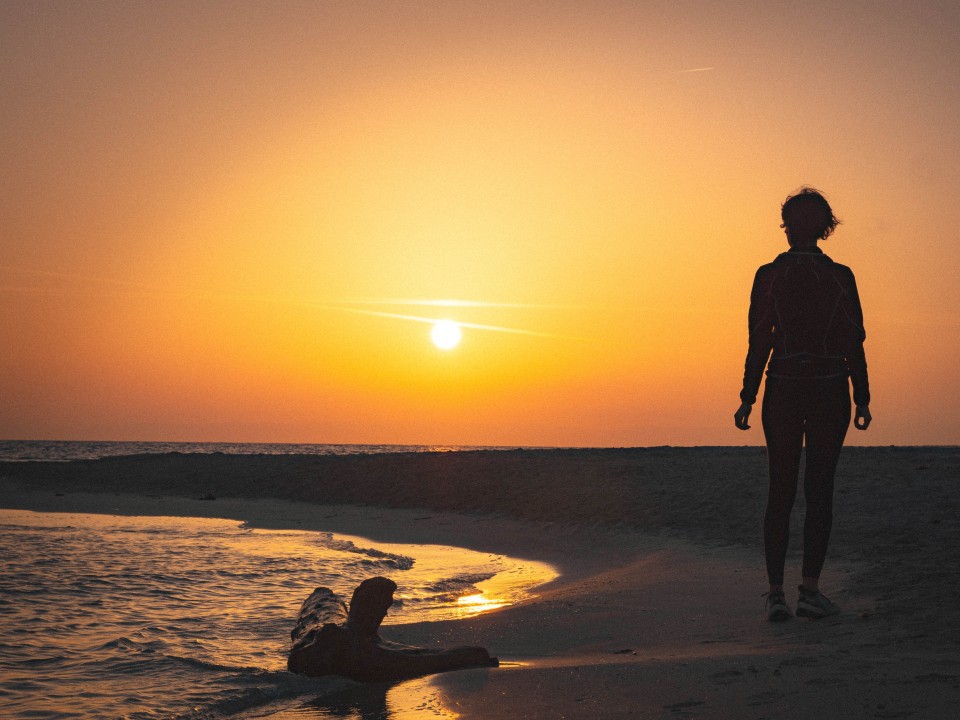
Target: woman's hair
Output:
[{"x": 808, "y": 215}]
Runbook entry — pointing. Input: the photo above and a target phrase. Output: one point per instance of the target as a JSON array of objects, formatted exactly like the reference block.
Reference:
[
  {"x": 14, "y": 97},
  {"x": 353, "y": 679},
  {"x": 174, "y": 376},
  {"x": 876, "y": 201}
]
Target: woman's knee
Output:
[{"x": 779, "y": 509}]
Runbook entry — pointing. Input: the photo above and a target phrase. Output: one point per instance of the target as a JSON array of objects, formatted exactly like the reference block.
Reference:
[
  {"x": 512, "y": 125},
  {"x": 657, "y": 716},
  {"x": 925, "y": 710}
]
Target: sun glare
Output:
[
  {"x": 446, "y": 334},
  {"x": 478, "y": 603}
]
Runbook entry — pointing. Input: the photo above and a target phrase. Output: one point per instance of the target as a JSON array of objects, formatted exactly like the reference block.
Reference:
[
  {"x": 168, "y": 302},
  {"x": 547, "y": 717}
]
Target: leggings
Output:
[{"x": 817, "y": 410}]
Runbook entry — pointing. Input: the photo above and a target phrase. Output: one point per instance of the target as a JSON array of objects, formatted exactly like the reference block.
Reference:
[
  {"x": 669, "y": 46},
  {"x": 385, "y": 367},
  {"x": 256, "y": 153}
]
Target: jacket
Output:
[{"x": 805, "y": 309}]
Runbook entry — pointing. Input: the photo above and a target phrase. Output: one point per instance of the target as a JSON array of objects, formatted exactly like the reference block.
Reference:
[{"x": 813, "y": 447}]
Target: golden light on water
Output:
[
  {"x": 479, "y": 603},
  {"x": 417, "y": 699}
]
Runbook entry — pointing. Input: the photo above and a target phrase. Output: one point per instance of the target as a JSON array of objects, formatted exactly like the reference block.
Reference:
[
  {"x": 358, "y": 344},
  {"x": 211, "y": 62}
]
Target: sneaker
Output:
[
  {"x": 814, "y": 604},
  {"x": 777, "y": 608}
]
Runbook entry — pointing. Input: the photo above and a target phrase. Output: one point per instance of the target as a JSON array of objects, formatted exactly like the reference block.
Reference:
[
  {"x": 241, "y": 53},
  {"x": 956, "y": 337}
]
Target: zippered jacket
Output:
[{"x": 804, "y": 308}]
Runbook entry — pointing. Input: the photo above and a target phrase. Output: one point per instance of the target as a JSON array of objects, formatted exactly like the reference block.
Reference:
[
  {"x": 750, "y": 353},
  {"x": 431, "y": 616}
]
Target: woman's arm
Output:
[
  {"x": 856, "y": 358},
  {"x": 760, "y": 326}
]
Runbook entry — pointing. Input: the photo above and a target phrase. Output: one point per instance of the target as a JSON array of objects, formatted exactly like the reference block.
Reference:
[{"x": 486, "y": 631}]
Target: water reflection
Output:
[
  {"x": 408, "y": 700},
  {"x": 476, "y": 604},
  {"x": 365, "y": 702}
]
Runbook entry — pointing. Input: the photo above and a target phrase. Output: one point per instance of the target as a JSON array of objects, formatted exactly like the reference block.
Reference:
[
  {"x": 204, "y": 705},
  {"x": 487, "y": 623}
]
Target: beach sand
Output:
[{"x": 658, "y": 612}]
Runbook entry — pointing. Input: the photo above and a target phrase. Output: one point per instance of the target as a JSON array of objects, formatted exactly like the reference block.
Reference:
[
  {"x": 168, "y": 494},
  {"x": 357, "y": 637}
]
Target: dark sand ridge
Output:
[{"x": 658, "y": 612}]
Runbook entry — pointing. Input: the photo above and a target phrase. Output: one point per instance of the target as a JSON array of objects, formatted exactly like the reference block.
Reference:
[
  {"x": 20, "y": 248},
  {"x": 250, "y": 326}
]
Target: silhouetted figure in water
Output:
[{"x": 805, "y": 309}]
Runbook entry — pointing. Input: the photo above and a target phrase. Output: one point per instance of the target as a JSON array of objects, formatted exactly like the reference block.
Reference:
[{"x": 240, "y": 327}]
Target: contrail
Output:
[
  {"x": 421, "y": 302},
  {"x": 433, "y": 320},
  {"x": 693, "y": 70},
  {"x": 127, "y": 286},
  {"x": 457, "y": 304}
]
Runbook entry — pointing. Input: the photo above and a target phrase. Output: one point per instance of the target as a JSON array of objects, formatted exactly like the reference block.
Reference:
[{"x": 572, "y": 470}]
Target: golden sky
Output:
[{"x": 232, "y": 221}]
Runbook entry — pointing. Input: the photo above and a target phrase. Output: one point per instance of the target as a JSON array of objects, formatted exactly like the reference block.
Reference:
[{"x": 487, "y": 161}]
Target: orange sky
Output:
[{"x": 212, "y": 214}]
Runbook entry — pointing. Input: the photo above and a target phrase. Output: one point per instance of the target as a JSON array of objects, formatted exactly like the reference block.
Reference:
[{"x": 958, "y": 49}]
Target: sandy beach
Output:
[{"x": 658, "y": 611}]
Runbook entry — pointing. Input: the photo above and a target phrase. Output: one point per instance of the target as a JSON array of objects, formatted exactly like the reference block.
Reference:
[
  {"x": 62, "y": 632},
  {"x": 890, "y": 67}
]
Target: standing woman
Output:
[{"x": 805, "y": 309}]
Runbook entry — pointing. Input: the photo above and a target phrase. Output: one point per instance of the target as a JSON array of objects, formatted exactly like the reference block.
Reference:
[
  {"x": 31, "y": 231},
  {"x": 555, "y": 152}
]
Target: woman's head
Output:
[{"x": 807, "y": 216}]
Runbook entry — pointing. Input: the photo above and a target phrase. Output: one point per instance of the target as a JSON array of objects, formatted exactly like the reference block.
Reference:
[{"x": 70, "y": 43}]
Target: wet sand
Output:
[{"x": 658, "y": 612}]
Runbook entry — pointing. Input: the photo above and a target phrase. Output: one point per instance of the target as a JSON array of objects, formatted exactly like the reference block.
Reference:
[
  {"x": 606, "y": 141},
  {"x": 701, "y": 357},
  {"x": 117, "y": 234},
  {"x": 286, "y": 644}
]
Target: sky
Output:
[{"x": 237, "y": 221}]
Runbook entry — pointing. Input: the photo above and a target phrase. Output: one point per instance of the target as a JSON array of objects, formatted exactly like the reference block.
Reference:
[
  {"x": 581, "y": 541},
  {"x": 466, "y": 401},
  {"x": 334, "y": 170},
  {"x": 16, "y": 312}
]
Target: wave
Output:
[
  {"x": 35, "y": 662},
  {"x": 268, "y": 689},
  {"x": 386, "y": 559},
  {"x": 448, "y": 590}
]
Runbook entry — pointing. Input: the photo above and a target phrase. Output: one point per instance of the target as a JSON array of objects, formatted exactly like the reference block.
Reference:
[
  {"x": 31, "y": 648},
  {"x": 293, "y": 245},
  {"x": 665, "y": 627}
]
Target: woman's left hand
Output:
[{"x": 862, "y": 418}]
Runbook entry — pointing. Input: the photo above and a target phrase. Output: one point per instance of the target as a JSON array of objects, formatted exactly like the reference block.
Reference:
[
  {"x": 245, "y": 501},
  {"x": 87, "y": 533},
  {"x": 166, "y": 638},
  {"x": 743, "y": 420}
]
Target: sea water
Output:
[
  {"x": 104, "y": 616},
  {"x": 50, "y": 450}
]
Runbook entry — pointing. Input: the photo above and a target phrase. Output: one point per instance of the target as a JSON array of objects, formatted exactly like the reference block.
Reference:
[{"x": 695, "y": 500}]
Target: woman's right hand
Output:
[
  {"x": 742, "y": 414},
  {"x": 862, "y": 418}
]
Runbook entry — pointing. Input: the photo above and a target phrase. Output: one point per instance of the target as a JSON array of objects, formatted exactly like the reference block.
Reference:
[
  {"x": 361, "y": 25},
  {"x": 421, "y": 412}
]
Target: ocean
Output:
[
  {"x": 39, "y": 450},
  {"x": 105, "y": 616}
]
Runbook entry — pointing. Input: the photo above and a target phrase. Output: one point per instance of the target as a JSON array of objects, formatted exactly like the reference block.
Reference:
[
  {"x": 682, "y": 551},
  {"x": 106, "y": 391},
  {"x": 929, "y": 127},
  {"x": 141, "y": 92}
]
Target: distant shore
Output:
[{"x": 658, "y": 612}]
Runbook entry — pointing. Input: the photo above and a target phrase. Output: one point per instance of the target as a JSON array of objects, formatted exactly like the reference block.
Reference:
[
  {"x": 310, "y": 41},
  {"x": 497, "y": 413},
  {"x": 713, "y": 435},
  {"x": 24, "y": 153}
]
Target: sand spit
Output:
[{"x": 659, "y": 610}]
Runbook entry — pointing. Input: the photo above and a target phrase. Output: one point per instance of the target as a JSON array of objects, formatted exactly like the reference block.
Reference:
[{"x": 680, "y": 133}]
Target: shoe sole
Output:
[
  {"x": 779, "y": 614},
  {"x": 814, "y": 613}
]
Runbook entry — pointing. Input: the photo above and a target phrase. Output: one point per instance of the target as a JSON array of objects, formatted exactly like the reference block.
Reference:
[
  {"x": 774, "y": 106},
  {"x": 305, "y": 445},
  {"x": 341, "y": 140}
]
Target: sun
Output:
[{"x": 445, "y": 334}]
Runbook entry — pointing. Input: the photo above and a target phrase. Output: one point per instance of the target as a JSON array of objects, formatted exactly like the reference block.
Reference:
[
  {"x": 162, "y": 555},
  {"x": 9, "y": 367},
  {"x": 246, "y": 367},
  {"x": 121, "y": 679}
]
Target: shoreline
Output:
[
  {"x": 708, "y": 496},
  {"x": 657, "y": 612}
]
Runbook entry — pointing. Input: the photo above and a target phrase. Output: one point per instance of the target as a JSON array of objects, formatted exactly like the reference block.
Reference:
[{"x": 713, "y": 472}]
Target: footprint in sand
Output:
[
  {"x": 683, "y": 705},
  {"x": 764, "y": 698},
  {"x": 725, "y": 677}
]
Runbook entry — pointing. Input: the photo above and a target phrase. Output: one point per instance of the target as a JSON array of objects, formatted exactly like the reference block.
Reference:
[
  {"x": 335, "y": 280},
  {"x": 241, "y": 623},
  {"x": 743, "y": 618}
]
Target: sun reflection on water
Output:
[{"x": 478, "y": 603}]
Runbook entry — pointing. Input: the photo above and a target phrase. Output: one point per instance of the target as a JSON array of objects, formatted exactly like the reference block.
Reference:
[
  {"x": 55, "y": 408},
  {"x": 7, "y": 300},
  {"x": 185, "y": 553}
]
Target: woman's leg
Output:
[
  {"x": 783, "y": 428},
  {"x": 828, "y": 417}
]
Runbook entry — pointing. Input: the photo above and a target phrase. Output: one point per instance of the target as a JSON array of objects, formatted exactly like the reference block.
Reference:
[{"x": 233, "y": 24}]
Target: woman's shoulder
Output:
[
  {"x": 839, "y": 268},
  {"x": 772, "y": 265},
  {"x": 844, "y": 277}
]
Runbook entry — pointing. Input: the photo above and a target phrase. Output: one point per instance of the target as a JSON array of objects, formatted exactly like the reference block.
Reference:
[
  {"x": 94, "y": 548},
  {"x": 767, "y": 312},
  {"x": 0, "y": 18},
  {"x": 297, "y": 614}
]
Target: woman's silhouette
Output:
[{"x": 804, "y": 308}]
